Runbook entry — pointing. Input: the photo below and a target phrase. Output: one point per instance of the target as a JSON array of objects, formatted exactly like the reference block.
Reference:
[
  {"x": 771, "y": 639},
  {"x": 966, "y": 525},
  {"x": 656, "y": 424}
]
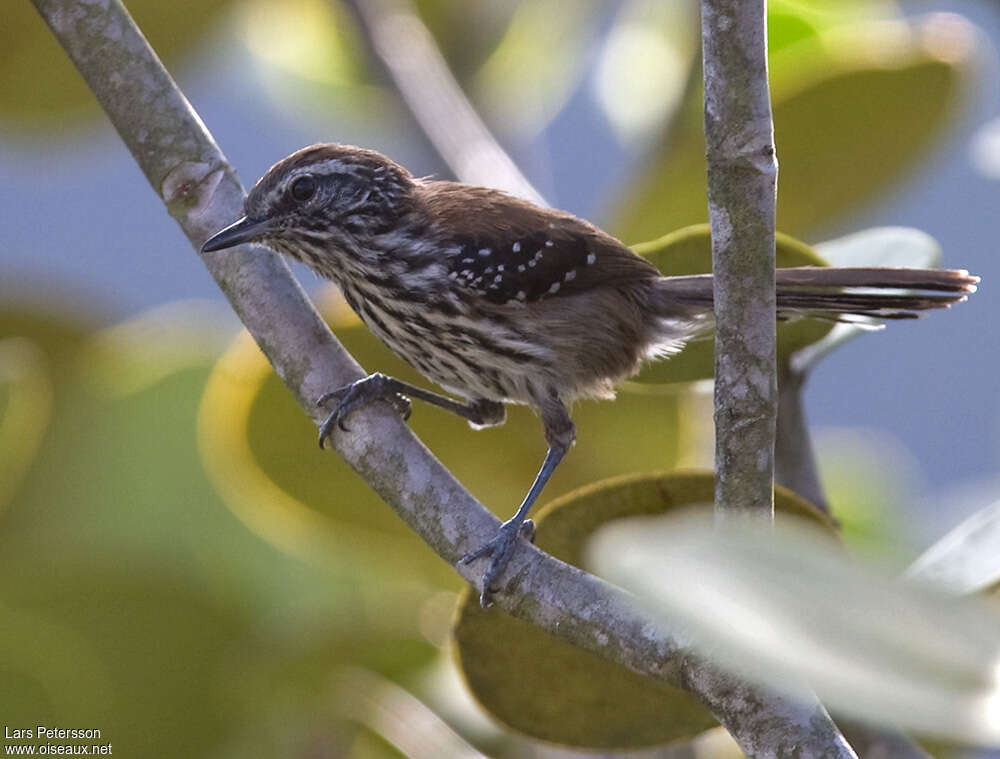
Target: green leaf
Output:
[
  {"x": 689, "y": 251},
  {"x": 544, "y": 687},
  {"x": 791, "y": 22},
  {"x": 851, "y": 117}
]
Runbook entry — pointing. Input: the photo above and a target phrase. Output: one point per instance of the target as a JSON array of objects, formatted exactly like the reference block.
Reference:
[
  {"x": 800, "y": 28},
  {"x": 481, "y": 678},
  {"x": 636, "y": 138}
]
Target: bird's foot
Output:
[
  {"x": 500, "y": 549},
  {"x": 357, "y": 395}
]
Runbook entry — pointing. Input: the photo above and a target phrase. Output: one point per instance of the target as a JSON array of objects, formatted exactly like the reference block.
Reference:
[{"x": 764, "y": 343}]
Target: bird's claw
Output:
[
  {"x": 500, "y": 549},
  {"x": 354, "y": 396}
]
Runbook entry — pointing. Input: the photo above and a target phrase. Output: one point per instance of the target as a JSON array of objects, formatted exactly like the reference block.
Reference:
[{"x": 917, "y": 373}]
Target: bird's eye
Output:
[{"x": 303, "y": 188}]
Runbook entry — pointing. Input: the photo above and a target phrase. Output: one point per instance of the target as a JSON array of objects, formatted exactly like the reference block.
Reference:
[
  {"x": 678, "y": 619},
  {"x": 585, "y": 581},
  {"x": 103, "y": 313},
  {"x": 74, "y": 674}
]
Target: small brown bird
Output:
[{"x": 501, "y": 301}]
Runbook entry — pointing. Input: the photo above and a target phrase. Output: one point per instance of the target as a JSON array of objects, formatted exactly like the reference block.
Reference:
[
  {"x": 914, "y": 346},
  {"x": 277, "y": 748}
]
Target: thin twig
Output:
[
  {"x": 406, "y": 48},
  {"x": 200, "y": 189}
]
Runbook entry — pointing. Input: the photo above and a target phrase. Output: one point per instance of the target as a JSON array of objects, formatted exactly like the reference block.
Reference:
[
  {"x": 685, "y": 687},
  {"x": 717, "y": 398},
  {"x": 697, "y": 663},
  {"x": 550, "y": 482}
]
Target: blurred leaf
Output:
[
  {"x": 793, "y": 21},
  {"x": 309, "y": 52},
  {"x": 53, "y": 667},
  {"x": 127, "y": 590},
  {"x": 87, "y": 634},
  {"x": 116, "y": 535},
  {"x": 139, "y": 352},
  {"x": 689, "y": 251},
  {"x": 880, "y": 246},
  {"x": 24, "y": 412},
  {"x": 398, "y": 717},
  {"x": 532, "y": 72},
  {"x": 468, "y": 32},
  {"x": 40, "y": 87},
  {"x": 883, "y": 246},
  {"x": 967, "y": 559},
  {"x": 554, "y": 691},
  {"x": 260, "y": 450},
  {"x": 985, "y": 149},
  {"x": 521, "y": 59},
  {"x": 870, "y": 478},
  {"x": 851, "y": 116},
  {"x": 785, "y": 607},
  {"x": 645, "y": 65}
]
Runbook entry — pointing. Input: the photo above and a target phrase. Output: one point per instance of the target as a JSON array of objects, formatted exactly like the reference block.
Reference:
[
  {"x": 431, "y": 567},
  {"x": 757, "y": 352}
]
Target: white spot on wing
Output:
[
  {"x": 516, "y": 247},
  {"x": 485, "y": 251},
  {"x": 570, "y": 275},
  {"x": 591, "y": 258},
  {"x": 555, "y": 288}
]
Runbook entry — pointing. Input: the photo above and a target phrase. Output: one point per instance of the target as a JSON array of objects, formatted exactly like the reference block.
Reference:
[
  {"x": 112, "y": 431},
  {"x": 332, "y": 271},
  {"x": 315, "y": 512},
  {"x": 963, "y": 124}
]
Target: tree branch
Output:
[
  {"x": 200, "y": 189},
  {"x": 742, "y": 186},
  {"x": 405, "y": 47},
  {"x": 794, "y": 460}
]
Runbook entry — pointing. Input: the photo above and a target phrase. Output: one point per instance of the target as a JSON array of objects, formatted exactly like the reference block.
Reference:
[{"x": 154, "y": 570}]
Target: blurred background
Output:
[{"x": 181, "y": 568}]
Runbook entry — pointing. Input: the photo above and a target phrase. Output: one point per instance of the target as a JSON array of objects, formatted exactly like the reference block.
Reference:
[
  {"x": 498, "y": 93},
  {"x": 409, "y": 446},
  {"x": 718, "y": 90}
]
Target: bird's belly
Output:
[{"x": 467, "y": 355}]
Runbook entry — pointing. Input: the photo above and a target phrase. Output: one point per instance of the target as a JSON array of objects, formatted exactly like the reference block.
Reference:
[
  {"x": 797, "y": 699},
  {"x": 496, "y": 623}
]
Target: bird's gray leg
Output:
[
  {"x": 560, "y": 435},
  {"x": 378, "y": 386}
]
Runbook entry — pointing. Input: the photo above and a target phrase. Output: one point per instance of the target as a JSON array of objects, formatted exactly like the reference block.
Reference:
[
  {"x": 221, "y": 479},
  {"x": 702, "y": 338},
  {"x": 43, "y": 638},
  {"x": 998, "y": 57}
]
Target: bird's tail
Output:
[{"x": 863, "y": 295}]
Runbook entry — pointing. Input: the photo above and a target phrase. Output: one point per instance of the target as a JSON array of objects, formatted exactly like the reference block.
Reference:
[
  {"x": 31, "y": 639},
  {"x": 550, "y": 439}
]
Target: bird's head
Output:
[{"x": 321, "y": 198}]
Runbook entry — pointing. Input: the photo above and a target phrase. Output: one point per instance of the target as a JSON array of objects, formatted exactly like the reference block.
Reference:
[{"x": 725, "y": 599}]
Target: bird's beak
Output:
[{"x": 243, "y": 230}]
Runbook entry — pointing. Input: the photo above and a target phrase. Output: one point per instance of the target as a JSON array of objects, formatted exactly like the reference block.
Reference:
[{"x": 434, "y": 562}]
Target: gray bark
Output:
[{"x": 742, "y": 186}]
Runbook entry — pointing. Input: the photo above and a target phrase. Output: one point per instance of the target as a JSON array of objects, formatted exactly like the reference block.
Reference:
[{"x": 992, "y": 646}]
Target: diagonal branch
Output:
[
  {"x": 409, "y": 54},
  {"x": 200, "y": 189}
]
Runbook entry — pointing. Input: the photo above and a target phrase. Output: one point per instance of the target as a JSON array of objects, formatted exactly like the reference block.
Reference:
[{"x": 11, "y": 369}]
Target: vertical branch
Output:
[{"x": 742, "y": 182}]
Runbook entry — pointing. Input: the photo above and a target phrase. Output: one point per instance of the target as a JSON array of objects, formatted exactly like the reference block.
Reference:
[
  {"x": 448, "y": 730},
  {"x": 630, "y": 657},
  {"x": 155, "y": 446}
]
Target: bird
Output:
[{"x": 500, "y": 301}]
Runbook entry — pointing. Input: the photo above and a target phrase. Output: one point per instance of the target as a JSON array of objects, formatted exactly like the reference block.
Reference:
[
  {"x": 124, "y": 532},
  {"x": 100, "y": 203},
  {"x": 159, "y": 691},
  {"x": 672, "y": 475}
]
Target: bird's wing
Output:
[{"x": 504, "y": 249}]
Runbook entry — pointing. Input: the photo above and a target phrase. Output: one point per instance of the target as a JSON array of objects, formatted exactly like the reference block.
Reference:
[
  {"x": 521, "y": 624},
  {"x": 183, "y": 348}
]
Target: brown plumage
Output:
[{"x": 500, "y": 301}]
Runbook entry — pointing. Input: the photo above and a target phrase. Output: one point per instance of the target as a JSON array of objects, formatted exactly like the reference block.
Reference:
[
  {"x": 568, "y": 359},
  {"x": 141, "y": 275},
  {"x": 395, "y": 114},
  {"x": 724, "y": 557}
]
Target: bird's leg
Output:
[
  {"x": 560, "y": 435},
  {"x": 378, "y": 386}
]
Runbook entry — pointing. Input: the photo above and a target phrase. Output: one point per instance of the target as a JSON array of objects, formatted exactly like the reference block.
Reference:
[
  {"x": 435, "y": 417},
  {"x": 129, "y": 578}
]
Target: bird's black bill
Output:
[{"x": 244, "y": 230}]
